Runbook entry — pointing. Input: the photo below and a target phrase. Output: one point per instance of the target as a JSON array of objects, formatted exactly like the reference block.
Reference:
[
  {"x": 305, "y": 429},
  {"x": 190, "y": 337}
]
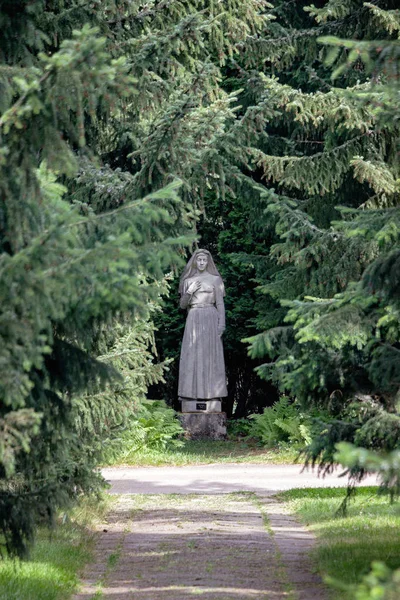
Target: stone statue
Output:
[{"x": 202, "y": 366}]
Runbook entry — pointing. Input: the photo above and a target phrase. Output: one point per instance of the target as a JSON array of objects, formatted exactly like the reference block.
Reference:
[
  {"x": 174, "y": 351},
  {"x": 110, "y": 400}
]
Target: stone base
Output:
[
  {"x": 200, "y": 426},
  {"x": 203, "y": 406}
]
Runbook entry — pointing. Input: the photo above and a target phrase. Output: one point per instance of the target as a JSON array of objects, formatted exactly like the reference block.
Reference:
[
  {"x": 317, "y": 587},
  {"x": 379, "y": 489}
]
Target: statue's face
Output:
[{"x": 201, "y": 262}]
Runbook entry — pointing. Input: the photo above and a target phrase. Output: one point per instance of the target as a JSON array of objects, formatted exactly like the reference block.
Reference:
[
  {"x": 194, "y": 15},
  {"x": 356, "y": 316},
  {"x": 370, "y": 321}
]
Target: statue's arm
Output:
[
  {"x": 185, "y": 297},
  {"x": 219, "y": 302},
  {"x": 188, "y": 292},
  {"x": 185, "y": 300}
]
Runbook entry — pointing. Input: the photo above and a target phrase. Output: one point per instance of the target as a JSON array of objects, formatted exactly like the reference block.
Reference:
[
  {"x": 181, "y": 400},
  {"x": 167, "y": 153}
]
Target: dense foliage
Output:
[
  {"x": 282, "y": 422},
  {"x": 333, "y": 199},
  {"x": 128, "y": 128},
  {"x": 112, "y": 119},
  {"x": 317, "y": 163}
]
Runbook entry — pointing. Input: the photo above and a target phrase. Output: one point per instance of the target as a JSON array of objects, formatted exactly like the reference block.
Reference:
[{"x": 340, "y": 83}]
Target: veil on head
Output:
[{"x": 191, "y": 267}]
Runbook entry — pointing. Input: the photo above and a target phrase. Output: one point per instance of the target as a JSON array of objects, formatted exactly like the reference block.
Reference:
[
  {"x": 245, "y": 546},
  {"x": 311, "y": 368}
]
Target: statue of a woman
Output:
[{"x": 202, "y": 366}]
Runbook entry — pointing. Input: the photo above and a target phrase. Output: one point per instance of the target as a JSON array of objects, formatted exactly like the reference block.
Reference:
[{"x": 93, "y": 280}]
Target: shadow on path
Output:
[{"x": 174, "y": 548}]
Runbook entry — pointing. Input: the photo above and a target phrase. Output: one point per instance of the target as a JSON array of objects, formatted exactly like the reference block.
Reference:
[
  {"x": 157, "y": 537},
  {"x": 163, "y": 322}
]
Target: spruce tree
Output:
[
  {"x": 332, "y": 196},
  {"x": 112, "y": 120},
  {"x": 65, "y": 272}
]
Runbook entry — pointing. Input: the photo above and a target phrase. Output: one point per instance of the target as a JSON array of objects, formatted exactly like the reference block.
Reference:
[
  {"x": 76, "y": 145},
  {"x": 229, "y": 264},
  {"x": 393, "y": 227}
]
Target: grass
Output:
[
  {"x": 348, "y": 545},
  {"x": 208, "y": 452},
  {"x": 52, "y": 572}
]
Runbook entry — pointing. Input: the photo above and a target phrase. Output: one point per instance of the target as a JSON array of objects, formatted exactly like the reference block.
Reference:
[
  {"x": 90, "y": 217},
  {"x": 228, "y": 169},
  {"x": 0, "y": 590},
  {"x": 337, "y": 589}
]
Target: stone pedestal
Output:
[{"x": 204, "y": 425}]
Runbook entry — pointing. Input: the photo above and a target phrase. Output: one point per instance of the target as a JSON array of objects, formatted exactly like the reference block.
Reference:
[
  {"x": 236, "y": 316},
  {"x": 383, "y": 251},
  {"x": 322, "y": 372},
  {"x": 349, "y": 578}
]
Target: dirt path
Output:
[{"x": 234, "y": 546}]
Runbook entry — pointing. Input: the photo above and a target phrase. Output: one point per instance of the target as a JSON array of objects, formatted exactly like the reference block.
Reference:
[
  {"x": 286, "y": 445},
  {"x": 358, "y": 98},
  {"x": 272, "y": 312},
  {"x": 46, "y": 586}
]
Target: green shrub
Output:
[
  {"x": 381, "y": 583},
  {"x": 281, "y": 422},
  {"x": 155, "y": 427},
  {"x": 161, "y": 425},
  {"x": 239, "y": 428}
]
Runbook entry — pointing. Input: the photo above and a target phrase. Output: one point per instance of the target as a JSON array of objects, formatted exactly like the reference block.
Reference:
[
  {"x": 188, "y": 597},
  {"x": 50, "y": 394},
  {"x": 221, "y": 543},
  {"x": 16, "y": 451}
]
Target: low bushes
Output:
[
  {"x": 154, "y": 427},
  {"x": 282, "y": 422}
]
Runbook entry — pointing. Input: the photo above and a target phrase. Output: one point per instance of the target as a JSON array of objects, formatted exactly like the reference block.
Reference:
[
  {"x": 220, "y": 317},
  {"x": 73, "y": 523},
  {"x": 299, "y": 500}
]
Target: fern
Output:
[
  {"x": 161, "y": 425},
  {"x": 155, "y": 427},
  {"x": 282, "y": 422}
]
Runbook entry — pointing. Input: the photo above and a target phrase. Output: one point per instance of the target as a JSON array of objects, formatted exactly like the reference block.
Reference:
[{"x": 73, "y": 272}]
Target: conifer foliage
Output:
[
  {"x": 111, "y": 121},
  {"x": 333, "y": 199}
]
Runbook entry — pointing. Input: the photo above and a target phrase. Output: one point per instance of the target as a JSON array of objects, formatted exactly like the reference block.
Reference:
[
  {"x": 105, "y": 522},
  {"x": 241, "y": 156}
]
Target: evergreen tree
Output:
[
  {"x": 112, "y": 122},
  {"x": 333, "y": 199},
  {"x": 290, "y": 144}
]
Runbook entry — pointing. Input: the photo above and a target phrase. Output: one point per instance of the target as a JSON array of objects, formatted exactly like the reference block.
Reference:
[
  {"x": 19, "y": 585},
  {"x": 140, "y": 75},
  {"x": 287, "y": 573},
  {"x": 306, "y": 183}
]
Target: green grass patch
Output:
[
  {"x": 57, "y": 558},
  {"x": 348, "y": 545},
  {"x": 208, "y": 452}
]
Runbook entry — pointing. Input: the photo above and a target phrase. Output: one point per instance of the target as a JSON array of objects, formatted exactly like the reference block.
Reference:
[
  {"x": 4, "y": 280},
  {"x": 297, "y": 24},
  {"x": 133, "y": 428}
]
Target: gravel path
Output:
[
  {"x": 214, "y": 531},
  {"x": 220, "y": 547}
]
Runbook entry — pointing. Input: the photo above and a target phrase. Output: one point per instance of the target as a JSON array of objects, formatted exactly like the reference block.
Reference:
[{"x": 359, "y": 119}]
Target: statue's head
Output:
[{"x": 201, "y": 261}]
